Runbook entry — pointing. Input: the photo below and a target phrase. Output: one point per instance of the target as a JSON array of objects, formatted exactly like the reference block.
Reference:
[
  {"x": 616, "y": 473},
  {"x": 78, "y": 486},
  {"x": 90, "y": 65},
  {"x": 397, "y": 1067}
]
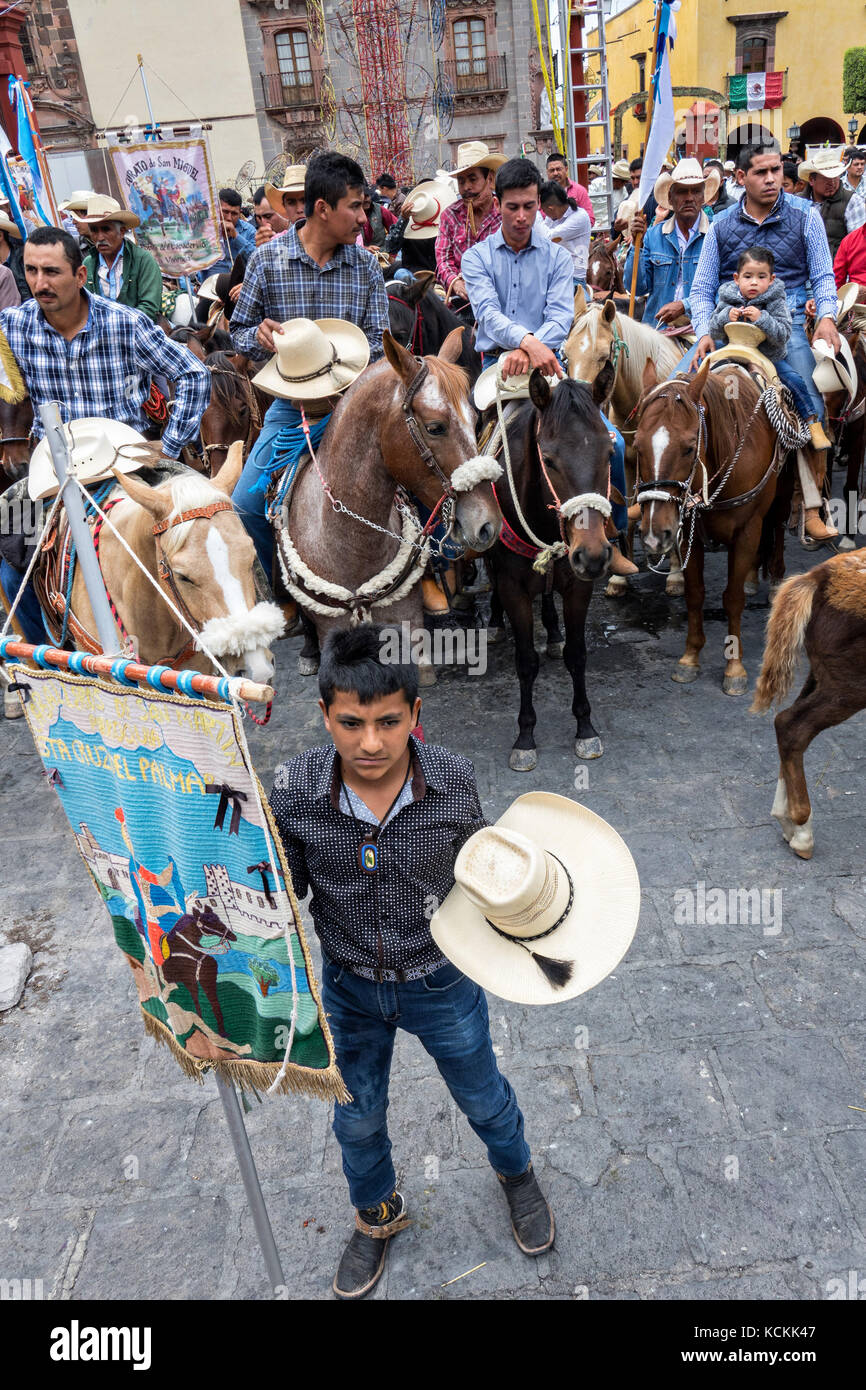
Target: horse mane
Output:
[
  {"x": 453, "y": 380},
  {"x": 188, "y": 490},
  {"x": 572, "y": 397},
  {"x": 228, "y": 385},
  {"x": 642, "y": 343}
]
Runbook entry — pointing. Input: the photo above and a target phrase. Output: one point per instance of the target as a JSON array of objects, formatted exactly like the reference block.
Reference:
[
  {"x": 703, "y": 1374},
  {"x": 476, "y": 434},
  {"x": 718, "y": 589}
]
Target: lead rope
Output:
[{"x": 546, "y": 553}]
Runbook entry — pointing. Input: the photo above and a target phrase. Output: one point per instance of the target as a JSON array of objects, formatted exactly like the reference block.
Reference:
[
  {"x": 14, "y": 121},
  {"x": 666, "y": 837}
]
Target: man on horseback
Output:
[
  {"x": 313, "y": 271},
  {"x": 794, "y": 232},
  {"x": 472, "y": 219},
  {"x": 670, "y": 250}
]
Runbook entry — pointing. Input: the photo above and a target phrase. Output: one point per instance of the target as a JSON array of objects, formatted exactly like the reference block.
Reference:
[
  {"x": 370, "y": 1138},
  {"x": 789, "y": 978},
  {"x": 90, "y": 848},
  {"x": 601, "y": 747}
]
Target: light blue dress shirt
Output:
[{"x": 513, "y": 293}]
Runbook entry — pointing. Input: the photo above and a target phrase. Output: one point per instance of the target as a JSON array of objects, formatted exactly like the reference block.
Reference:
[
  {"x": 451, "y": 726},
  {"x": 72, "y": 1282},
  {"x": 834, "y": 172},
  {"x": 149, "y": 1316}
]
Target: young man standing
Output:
[
  {"x": 557, "y": 170},
  {"x": 470, "y": 220},
  {"x": 373, "y": 824}
]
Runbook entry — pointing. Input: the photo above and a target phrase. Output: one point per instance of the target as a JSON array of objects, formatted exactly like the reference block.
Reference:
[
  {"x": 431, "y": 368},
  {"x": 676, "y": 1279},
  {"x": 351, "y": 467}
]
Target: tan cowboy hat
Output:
[
  {"x": 828, "y": 162},
  {"x": 77, "y": 200},
  {"x": 7, "y": 225},
  {"x": 102, "y": 209},
  {"x": 834, "y": 371},
  {"x": 545, "y": 902},
  {"x": 690, "y": 174},
  {"x": 94, "y": 446},
  {"x": 294, "y": 180},
  {"x": 804, "y": 170},
  {"x": 474, "y": 154},
  {"x": 847, "y": 298},
  {"x": 514, "y": 388},
  {"x": 621, "y": 170},
  {"x": 314, "y": 359},
  {"x": 424, "y": 206},
  {"x": 207, "y": 289}
]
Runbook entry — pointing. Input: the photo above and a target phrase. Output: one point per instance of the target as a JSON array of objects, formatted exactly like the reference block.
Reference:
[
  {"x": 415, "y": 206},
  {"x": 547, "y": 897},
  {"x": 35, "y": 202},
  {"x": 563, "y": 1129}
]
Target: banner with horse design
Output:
[
  {"x": 171, "y": 820},
  {"x": 168, "y": 185}
]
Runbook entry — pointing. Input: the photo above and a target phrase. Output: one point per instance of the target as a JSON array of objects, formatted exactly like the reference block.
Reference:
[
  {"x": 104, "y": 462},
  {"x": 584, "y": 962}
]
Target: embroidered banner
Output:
[
  {"x": 170, "y": 819},
  {"x": 168, "y": 185}
]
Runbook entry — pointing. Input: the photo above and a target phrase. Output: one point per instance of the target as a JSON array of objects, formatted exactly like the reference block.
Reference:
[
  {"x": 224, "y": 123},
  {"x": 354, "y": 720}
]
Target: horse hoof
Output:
[
  {"x": 735, "y": 685},
  {"x": 675, "y": 585},
  {"x": 523, "y": 759},
  {"x": 616, "y": 587},
  {"x": 588, "y": 748},
  {"x": 846, "y": 543},
  {"x": 802, "y": 841},
  {"x": 494, "y": 635},
  {"x": 308, "y": 665},
  {"x": 426, "y": 675},
  {"x": 750, "y": 588},
  {"x": 684, "y": 675},
  {"x": 555, "y": 649}
]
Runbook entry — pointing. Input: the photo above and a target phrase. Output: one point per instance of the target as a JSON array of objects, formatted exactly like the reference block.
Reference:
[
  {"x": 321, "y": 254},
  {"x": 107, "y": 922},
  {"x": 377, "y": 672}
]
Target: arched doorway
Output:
[
  {"x": 748, "y": 132},
  {"x": 861, "y": 138},
  {"x": 820, "y": 130}
]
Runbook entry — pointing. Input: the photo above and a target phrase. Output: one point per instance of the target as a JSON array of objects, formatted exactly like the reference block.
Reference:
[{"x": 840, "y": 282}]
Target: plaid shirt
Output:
[
  {"x": 105, "y": 371},
  {"x": 282, "y": 282},
  {"x": 455, "y": 237},
  {"x": 377, "y": 924}
]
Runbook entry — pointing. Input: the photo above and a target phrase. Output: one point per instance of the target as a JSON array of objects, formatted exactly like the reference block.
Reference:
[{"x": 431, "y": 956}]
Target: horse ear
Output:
[
  {"x": 403, "y": 362},
  {"x": 579, "y": 302},
  {"x": 413, "y": 293},
  {"x": 650, "y": 375},
  {"x": 159, "y": 504},
  {"x": 231, "y": 470},
  {"x": 699, "y": 381},
  {"x": 608, "y": 313},
  {"x": 240, "y": 362},
  {"x": 453, "y": 346},
  {"x": 603, "y": 383},
  {"x": 539, "y": 390}
]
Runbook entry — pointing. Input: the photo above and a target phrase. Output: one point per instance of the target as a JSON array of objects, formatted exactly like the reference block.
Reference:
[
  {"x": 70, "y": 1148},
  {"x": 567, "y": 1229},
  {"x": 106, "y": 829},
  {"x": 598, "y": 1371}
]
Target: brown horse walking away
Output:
[
  {"x": 825, "y": 611},
  {"x": 708, "y": 474},
  {"x": 404, "y": 424}
]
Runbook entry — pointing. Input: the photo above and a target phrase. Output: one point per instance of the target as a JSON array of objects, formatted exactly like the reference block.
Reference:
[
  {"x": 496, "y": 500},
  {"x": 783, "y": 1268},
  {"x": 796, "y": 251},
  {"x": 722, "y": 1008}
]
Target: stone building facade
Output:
[{"x": 57, "y": 87}]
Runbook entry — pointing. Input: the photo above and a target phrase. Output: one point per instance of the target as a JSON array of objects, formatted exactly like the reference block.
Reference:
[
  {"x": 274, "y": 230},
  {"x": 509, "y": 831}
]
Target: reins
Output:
[{"x": 415, "y": 342}]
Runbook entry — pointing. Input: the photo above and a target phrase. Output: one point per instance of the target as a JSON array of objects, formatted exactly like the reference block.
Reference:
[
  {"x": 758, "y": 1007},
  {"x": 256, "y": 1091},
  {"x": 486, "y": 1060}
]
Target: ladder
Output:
[{"x": 579, "y": 121}]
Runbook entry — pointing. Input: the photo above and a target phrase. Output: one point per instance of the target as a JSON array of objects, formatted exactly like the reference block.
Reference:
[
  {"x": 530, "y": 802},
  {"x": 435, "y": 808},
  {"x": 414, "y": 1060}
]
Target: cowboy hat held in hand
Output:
[
  {"x": 545, "y": 902},
  {"x": 513, "y": 388},
  {"x": 425, "y": 205},
  {"x": 314, "y": 359},
  {"x": 98, "y": 448},
  {"x": 687, "y": 174},
  {"x": 834, "y": 371}
]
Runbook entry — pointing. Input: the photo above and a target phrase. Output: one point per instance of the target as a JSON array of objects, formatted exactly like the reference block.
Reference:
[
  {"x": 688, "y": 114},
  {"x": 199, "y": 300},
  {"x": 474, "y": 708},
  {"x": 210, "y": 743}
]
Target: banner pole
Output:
[
  {"x": 638, "y": 243},
  {"x": 252, "y": 1186},
  {"x": 146, "y": 92}
]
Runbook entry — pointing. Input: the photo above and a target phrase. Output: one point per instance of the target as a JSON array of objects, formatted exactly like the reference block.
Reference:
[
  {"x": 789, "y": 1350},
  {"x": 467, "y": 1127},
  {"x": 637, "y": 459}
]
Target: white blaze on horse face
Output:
[
  {"x": 218, "y": 554},
  {"x": 660, "y": 441}
]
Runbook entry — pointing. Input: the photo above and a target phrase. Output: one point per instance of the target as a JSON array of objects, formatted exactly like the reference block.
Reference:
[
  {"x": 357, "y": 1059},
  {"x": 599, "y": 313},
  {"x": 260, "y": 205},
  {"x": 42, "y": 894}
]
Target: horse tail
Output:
[{"x": 786, "y": 628}]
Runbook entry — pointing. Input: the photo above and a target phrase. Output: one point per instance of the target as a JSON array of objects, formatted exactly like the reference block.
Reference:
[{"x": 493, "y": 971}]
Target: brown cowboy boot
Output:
[
  {"x": 816, "y": 529},
  {"x": 363, "y": 1259},
  {"x": 620, "y": 564},
  {"x": 433, "y": 594},
  {"x": 817, "y": 436}
]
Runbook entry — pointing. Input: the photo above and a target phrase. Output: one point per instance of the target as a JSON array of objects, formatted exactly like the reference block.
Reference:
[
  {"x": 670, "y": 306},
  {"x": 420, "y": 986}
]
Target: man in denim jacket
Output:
[{"x": 671, "y": 249}]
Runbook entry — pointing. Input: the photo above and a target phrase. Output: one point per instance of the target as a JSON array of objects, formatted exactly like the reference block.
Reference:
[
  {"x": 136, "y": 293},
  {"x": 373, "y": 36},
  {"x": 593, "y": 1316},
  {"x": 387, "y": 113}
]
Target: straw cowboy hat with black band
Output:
[
  {"x": 545, "y": 902},
  {"x": 97, "y": 448},
  {"x": 294, "y": 180},
  {"x": 314, "y": 359},
  {"x": 102, "y": 209},
  {"x": 425, "y": 205}
]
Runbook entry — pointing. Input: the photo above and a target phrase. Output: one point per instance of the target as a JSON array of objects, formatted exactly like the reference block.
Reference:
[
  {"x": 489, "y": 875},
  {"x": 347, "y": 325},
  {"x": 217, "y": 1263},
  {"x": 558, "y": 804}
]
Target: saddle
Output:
[{"x": 743, "y": 340}]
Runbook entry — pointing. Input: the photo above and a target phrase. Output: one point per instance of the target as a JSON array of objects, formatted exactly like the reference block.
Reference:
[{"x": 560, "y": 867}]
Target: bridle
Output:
[
  {"x": 166, "y": 574},
  {"x": 618, "y": 346},
  {"x": 255, "y": 416},
  {"x": 415, "y": 342}
]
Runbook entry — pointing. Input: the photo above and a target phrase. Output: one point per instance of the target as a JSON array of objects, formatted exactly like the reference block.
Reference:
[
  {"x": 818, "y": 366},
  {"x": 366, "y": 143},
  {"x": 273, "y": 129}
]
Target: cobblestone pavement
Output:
[{"x": 698, "y": 1121}]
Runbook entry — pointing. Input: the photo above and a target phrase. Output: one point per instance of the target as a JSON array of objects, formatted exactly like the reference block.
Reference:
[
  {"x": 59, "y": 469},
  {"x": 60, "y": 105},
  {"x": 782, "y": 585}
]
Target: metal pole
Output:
[
  {"x": 638, "y": 240},
  {"x": 146, "y": 92},
  {"x": 192, "y": 298},
  {"x": 247, "y": 1165},
  {"x": 109, "y": 636}
]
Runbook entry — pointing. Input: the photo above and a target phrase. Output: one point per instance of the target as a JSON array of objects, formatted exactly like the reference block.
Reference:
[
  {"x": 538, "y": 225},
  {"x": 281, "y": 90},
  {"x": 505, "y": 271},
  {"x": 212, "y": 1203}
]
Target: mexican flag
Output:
[{"x": 756, "y": 91}]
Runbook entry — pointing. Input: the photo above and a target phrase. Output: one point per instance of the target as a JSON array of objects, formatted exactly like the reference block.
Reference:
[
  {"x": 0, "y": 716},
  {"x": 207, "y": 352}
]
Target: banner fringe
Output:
[{"x": 324, "y": 1084}]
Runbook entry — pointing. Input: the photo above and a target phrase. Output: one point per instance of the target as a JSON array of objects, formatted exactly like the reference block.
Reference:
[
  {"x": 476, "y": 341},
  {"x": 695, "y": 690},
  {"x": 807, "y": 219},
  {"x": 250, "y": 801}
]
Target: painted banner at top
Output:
[{"x": 169, "y": 188}]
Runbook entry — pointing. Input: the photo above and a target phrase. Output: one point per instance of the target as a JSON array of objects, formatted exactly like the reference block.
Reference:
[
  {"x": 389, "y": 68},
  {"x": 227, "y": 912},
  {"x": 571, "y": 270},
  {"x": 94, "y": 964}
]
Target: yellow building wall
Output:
[
  {"x": 810, "y": 42},
  {"x": 196, "y": 46}
]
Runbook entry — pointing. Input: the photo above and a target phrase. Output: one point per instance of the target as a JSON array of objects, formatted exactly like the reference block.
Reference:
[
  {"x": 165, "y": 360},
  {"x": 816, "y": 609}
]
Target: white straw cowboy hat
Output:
[
  {"x": 834, "y": 371},
  {"x": 294, "y": 180},
  {"x": 689, "y": 174},
  {"x": 93, "y": 447},
  {"x": 828, "y": 162},
  {"x": 207, "y": 289},
  {"x": 621, "y": 170},
  {"x": 545, "y": 902},
  {"x": 102, "y": 209},
  {"x": 8, "y": 226},
  {"x": 474, "y": 154},
  {"x": 77, "y": 200},
  {"x": 846, "y": 299},
  {"x": 513, "y": 388},
  {"x": 424, "y": 206},
  {"x": 314, "y": 359}
]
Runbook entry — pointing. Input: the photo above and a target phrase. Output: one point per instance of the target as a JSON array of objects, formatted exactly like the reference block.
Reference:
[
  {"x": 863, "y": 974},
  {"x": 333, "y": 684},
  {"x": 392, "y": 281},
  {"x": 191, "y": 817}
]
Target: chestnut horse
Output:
[
  {"x": 825, "y": 611},
  {"x": 559, "y": 450},
  {"x": 707, "y": 473},
  {"x": 346, "y": 539}
]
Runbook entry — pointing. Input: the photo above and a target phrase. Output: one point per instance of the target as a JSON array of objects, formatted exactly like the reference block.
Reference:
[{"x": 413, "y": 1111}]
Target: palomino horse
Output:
[
  {"x": 404, "y": 425},
  {"x": 707, "y": 473},
  {"x": 825, "y": 610},
  {"x": 421, "y": 321},
  {"x": 189, "y": 538},
  {"x": 600, "y": 337},
  {"x": 558, "y": 457},
  {"x": 16, "y": 422}
]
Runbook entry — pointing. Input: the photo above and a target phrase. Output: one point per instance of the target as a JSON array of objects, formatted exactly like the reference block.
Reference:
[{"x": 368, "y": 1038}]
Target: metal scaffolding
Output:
[
  {"x": 381, "y": 64},
  {"x": 586, "y": 100}
]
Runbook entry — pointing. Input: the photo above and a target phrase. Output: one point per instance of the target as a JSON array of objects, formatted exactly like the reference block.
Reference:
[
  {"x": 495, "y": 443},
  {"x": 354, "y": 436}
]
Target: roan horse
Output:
[
  {"x": 403, "y": 424},
  {"x": 825, "y": 610},
  {"x": 191, "y": 541},
  {"x": 558, "y": 457},
  {"x": 708, "y": 471}
]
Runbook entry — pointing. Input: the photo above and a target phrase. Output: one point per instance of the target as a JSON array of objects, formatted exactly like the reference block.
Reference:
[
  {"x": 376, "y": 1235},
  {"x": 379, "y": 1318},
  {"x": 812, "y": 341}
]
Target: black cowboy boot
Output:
[
  {"x": 363, "y": 1259},
  {"x": 531, "y": 1217}
]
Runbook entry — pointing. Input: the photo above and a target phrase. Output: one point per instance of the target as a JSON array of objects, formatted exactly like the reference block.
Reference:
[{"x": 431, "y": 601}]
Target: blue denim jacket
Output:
[{"x": 659, "y": 268}]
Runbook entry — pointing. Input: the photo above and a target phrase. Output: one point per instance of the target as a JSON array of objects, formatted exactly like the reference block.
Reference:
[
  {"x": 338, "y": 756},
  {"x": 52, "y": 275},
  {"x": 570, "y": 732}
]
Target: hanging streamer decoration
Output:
[
  {"x": 443, "y": 102},
  {"x": 316, "y": 22},
  {"x": 328, "y": 99},
  {"x": 547, "y": 74}
]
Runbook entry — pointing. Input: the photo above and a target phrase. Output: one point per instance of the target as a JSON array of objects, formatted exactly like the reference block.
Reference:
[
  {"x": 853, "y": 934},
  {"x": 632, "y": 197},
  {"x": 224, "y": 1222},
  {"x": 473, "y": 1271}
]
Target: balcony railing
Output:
[
  {"x": 477, "y": 75},
  {"x": 280, "y": 93}
]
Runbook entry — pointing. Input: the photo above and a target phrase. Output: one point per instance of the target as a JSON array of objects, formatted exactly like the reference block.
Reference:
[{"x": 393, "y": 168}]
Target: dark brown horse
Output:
[
  {"x": 16, "y": 422},
  {"x": 559, "y": 450},
  {"x": 825, "y": 611},
  {"x": 193, "y": 965},
  {"x": 421, "y": 321},
  {"x": 604, "y": 277},
  {"x": 707, "y": 474},
  {"x": 235, "y": 410}
]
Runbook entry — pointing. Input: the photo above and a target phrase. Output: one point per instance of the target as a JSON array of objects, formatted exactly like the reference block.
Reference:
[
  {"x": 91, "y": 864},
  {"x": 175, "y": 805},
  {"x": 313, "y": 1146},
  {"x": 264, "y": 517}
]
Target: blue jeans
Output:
[
  {"x": 448, "y": 1014},
  {"x": 272, "y": 450},
  {"x": 617, "y": 475},
  {"x": 28, "y": 614},
  {"x": 797, "y": 386}
]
